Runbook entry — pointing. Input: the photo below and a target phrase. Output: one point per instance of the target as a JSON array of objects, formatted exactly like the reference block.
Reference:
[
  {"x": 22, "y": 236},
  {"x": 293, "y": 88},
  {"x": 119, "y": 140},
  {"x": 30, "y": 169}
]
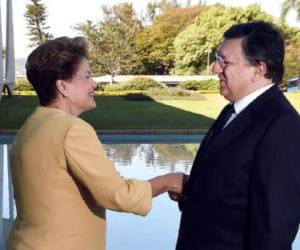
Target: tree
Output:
[
  {"x": 205, "y": 34},
  {"x": 159, "y": 8},
  {"x": 292, "y": 53},
  {"x": 36, "y": 17},
  {"x": 154, "y": 45},
  {"x": 288, "y": 5},
  {"x": 112, "y": 40}
]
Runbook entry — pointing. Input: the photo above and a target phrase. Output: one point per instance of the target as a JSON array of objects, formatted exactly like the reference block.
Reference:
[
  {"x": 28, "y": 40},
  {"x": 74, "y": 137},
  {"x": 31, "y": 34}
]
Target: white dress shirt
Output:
[{"x": 242, "y": 103}]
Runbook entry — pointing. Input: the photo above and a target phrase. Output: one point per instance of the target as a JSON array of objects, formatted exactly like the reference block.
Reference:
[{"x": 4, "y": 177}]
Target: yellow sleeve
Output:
[{"x": 89, "y": 164}]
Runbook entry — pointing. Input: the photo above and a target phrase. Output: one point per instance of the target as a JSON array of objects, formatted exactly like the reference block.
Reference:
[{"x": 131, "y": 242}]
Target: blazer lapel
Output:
[
  {"x": 234, "y": 128},
  {"x": 240, "y": 123}
]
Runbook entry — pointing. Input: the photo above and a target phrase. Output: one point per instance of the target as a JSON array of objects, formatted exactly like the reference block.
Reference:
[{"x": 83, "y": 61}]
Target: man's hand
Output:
[{"x": 179, "y": 196}]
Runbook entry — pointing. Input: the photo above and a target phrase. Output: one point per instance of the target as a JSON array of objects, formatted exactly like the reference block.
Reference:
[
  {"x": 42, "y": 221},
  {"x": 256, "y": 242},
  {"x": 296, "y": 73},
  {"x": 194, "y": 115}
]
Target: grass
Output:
[
  {"x": 118, "y": 113},
  {"x": 112, "y": 113},
  {"x": 294, "y": 98}
]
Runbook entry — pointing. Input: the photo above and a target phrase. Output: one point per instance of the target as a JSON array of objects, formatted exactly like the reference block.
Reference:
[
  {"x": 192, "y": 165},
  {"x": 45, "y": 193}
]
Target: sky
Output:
[{"x": 63, "y": 14}]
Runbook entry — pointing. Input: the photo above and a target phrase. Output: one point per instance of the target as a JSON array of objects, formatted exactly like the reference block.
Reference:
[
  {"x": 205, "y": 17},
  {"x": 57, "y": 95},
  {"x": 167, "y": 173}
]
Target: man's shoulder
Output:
[
  {"x": 273, "y": 104},
  {"x": 283, "y": 116},
  {"x": 285, "y": 108}
]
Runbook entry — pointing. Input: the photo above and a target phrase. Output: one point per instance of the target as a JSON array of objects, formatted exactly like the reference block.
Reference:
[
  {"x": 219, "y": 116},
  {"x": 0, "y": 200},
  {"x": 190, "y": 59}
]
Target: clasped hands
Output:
[
  {"x": 174, "y": 183},
  {"x": 178, "y": 196}
]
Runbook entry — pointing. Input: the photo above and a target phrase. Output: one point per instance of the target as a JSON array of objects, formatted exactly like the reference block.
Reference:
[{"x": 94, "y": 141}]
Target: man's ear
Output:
[
  {"x": 61, "y": 88},
  {"x": 259, "y": 72}
]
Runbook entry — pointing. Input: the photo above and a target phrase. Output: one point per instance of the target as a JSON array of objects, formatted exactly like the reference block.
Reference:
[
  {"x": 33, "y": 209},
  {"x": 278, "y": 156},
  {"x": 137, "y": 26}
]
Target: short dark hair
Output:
[
  {"x": 262, "y": 42},
  {"x": 54, "y": 60}
]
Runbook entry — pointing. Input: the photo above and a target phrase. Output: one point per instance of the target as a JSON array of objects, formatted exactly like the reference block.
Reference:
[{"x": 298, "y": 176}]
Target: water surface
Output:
[{"x": 158, "y": 230}]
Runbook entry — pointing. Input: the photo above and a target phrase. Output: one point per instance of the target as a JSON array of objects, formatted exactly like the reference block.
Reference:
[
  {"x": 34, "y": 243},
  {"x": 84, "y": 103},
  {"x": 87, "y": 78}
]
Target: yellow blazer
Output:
[{"x": 63, "y": 181}]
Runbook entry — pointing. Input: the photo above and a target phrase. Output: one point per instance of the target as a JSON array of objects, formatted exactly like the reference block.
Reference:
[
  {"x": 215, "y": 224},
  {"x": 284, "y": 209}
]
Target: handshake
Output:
[{"x": 173, "y": 183}]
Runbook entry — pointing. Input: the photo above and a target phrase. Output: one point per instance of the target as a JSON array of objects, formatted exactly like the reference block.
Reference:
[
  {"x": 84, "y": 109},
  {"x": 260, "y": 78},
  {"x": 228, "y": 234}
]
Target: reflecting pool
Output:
[{"x": 158, "y": 230}]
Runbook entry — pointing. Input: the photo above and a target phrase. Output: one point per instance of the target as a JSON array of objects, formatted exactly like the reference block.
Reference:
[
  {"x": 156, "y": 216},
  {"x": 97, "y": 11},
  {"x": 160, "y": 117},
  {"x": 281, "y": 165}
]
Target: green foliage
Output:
[
  {"x": 112, "y": 40},
  {"x": 205, "y": 35},
  {"x": 292, "y": 53},
  {"x": 154, "y": 45},
  {"x": 158, "y": 8},
  {"x": 36, "y": 18},
  {"x": 176, "y": 41},
  {"x": 174, "y": 94},
  {"x": 291, "y": 62},
  {"x": 118, "y": 92},
  {"x": 22, "y": 84},
  {"x": 208, "y": 91},
  {"x": 288, "y": 5},
  {"x": 200, "y": 85},
  {"x": 138, "y": 97},
  {"x": 168, "y": 92},
  {"x": 136, "y": 83}
]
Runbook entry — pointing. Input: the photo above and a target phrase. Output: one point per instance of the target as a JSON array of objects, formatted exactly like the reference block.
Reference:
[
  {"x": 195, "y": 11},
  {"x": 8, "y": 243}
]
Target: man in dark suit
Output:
[{"x": 243, "y": 192}]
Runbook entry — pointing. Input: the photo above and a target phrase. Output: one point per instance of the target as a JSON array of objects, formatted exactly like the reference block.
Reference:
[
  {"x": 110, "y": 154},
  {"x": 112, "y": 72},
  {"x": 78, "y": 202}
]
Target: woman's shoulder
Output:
[{"x": 59, "y": 120}]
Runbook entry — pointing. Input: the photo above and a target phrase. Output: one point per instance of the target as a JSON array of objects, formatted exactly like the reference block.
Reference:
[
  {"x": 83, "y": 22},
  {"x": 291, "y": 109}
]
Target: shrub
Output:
[
  {"x": 22, "y": 84},
  {"x": 168, "y": 92},
  {"x": 174, "y": 94},
  {"x": 200, "y": 85},
  {"x": 138, "y": 97},
  {"x": 136, "y": 83},
  {"x": 117, "y": 93},
  {"x": 25, "y": 92},
  {"x": 208, "y": 91}
]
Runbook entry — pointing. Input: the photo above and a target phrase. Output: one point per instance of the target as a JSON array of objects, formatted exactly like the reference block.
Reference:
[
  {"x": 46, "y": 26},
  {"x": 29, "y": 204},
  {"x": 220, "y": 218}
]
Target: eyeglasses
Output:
[{"x": 222, "y": 62}]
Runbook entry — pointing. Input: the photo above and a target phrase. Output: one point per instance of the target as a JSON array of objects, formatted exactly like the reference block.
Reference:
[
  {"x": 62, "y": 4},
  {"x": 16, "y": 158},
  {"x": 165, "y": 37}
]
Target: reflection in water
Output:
[
  {"x": 166, "y": 156},
  {"x": 159, "y": 229},
  {"x": 121, "y": 153}
]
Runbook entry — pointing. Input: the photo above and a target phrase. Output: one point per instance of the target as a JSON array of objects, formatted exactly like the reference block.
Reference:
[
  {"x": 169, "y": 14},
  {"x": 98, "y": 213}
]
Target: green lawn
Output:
[
  {"x": 117, "y": 113},
  {"x": 294, "y": 98}
]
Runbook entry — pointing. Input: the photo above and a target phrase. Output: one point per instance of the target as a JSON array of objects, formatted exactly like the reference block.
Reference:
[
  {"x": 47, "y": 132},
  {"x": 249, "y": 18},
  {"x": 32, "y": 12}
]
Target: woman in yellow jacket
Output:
[{"x": 62, "y": 179}]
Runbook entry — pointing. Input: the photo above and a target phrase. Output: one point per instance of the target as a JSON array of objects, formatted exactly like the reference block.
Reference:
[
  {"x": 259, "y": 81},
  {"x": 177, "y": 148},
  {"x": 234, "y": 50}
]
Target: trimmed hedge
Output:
[
  {"x": 139, "y": 88},
  {"x": 200, "y": 85},
  {"x": 208, "y": 91},
  {"x": 117, "y": 93},
  {"x": 174, "y": 94},
  {"x": 168, "y": 92},
  {"x": 22, "y": 84},
  {"x": 136, "y": 83},
  {"x": 138, "y": 97}
]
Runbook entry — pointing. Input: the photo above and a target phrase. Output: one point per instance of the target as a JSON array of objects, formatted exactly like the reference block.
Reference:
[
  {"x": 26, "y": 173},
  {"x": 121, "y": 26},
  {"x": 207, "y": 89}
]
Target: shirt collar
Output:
[{"x": 242, "y": 103}]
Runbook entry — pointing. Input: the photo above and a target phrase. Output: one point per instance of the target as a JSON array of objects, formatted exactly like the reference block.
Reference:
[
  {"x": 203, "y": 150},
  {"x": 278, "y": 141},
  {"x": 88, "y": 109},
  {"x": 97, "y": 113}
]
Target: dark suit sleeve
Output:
[
  {"x": 185, "y": 180},
  {"x": 274, "y": 204}
]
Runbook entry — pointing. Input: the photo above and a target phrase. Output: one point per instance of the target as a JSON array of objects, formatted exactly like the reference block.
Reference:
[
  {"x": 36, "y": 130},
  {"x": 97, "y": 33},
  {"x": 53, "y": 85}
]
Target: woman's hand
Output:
[{"x": 170, "y": 182}]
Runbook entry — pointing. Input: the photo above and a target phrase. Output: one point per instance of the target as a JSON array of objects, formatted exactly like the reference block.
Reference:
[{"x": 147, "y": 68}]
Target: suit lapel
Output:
[
  {"x": 236, "y": 127},
  {"x": 240, "y": 123}
]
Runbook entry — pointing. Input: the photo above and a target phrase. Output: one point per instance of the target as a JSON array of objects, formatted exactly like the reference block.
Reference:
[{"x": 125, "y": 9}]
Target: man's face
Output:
[{"x": 233, "y": 70}]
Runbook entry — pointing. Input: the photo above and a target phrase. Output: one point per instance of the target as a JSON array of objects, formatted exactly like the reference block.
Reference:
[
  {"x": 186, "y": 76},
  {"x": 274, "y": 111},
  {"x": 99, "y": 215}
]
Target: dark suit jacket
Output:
[{"x": 244, "y": 187}]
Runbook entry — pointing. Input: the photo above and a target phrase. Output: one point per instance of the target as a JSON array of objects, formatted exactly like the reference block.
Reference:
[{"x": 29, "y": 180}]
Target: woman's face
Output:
[{"x": 80, "y": 90}]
